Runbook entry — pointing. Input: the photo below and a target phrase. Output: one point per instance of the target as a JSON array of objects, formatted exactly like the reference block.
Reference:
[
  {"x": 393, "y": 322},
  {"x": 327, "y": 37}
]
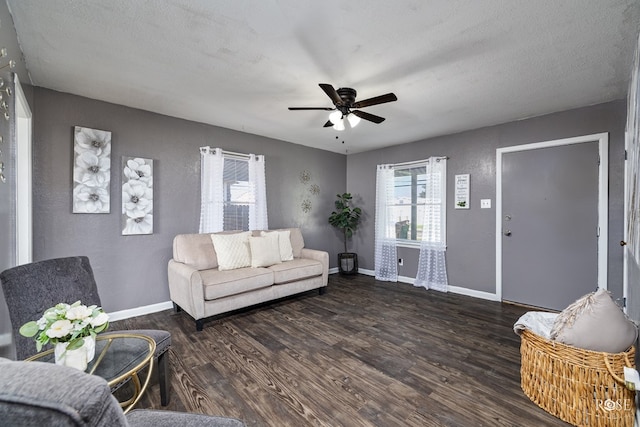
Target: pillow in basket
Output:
[{"x": 595, "y": 322}]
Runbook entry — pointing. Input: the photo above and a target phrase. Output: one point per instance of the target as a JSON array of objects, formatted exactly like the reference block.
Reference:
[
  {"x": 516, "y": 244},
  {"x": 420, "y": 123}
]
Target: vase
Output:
[{"x": 78, "y": 358}]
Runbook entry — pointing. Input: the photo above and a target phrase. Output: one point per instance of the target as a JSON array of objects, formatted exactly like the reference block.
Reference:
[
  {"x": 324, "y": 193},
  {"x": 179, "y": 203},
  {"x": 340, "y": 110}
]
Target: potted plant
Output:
[
  {"x": 346, "y": 218},
  {"x": 72, "y": 329}
]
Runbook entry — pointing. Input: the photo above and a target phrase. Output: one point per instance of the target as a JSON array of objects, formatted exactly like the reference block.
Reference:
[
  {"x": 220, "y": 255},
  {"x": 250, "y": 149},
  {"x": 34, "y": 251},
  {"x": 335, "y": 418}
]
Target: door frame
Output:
[
  {"x": 24, "y": 168},
  {"x": 603, "y": 199}
]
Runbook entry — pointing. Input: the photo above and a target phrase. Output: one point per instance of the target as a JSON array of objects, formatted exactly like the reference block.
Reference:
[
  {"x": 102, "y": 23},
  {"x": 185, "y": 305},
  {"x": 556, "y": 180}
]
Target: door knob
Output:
[
  {"x": 507, "y": 233},
  {"x": 623, "y": 243}
]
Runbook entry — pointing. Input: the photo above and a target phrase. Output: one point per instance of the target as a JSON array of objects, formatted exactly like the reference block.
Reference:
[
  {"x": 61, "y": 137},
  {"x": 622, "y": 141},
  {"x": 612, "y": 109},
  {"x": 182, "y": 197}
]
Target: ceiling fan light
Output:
[
  {"x": 339, "y": 125},
  {"x": 335, "y": 117},
  {"x": 353, "y": 120}
]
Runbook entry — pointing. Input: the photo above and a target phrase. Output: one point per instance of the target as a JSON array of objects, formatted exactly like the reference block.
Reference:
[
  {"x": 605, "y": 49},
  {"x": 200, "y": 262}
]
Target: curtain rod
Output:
[
  {"x": 227, "y": 153},
  {"x": 438, "y": 158}
]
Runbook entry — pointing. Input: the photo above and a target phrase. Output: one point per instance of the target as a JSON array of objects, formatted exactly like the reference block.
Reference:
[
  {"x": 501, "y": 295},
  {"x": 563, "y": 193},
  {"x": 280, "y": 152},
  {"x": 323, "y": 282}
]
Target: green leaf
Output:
[
  {"x": 29, "y": 329},
  {"x": 75, "y": 344}
]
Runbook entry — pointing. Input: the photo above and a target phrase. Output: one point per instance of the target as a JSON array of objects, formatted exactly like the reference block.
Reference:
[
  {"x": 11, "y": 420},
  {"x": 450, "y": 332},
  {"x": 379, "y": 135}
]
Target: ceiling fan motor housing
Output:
[{"x": 347, "y": 95}]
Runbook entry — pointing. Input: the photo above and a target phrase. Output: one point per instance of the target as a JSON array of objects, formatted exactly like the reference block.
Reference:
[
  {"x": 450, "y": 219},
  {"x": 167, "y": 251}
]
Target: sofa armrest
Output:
[
  {"x": 321, "y": 256},
  {"x": 185, "y": 288}
]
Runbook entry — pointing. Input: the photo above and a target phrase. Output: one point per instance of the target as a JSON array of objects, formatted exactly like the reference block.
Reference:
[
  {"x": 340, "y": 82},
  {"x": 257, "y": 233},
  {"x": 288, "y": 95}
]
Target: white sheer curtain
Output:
[
  {"x": 432, "y": 267},
  {"x": 211, "y": 190},
  {"x": 258, "y": 211},
  {"x": 386, "y": 259}
]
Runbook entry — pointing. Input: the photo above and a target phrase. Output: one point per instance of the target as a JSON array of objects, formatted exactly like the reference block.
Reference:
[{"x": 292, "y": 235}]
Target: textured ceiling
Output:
[{"x": 454, "y": 65}]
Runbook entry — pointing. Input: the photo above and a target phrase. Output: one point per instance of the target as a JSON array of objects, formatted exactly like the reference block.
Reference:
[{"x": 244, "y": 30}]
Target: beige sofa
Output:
[{"x": 198, "y": 286}]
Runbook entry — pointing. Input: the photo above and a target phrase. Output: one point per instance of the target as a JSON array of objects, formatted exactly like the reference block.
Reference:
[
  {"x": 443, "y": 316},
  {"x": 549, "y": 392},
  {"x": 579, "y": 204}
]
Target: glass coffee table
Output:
[{"x": 119, "y": 359}]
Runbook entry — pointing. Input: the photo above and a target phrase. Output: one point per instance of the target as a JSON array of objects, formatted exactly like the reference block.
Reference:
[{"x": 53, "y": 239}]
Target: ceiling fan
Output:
[{"x": 346, "y": 110}]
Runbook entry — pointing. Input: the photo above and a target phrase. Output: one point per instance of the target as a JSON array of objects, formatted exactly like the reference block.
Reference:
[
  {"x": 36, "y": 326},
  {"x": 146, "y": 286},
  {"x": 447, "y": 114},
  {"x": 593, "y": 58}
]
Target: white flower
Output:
[
  {"x": 60, "y": 328},
  {"x": 140, "y": 225},
  {"x": 137, "y": 169},
  {"x": 96, "y": 141},
  {"x": 137, "y": 199},
  {"x": 79, "y": 312},
  {"x": 99, "y": 320},
  {"x": 90, "y": 199},
  {"x": 92, "y": 170}
]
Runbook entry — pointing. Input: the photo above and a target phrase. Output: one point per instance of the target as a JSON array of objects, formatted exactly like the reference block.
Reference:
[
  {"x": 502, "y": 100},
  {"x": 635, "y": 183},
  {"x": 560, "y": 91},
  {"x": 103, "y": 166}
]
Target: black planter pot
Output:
[{"x": 348, "y": 263}]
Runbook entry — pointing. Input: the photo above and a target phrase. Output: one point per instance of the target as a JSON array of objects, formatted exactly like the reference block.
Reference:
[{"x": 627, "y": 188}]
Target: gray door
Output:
[{"x": 549, "y": 224}]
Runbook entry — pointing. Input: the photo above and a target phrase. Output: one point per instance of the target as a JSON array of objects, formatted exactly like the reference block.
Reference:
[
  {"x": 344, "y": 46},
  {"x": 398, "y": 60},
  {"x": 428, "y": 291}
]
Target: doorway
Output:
[{"x": 551, "y": 221}]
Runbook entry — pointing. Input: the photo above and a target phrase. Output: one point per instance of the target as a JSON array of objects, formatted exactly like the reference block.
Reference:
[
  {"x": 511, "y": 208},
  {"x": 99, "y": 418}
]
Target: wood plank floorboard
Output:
[{"x": 366, "y": 353}]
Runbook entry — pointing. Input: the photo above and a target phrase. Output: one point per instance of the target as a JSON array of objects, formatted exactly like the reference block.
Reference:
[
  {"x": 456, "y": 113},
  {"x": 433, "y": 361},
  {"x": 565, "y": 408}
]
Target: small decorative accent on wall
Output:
[
  {"x": 137, "y": 196},
  {"x": 462, "y": 191},
  {"x": 91, "y": 170},
  {"x": 309, "y": 190}
]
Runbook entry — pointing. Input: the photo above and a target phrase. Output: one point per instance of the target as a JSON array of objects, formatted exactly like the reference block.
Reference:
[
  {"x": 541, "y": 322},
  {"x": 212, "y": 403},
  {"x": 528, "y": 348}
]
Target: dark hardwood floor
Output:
[{"x": 366, "y": 353}]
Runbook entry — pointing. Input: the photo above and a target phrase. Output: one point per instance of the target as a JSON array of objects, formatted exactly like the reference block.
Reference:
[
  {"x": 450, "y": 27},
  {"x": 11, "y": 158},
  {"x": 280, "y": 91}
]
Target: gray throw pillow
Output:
[{"x": 595, "y": 322}]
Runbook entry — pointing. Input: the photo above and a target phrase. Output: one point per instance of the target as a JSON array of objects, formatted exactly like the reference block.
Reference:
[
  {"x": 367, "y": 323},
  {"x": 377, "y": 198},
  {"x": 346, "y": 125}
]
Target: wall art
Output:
[
  {"x": 137, "y": 196},
  {"x": 91, "y": 170}
]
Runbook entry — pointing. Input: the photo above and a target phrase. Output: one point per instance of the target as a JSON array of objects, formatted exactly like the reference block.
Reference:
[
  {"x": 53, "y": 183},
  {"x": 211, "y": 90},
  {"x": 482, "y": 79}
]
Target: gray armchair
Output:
[
  {"x": 45, "y": 394},
  {"x": 30, "y": 289}
]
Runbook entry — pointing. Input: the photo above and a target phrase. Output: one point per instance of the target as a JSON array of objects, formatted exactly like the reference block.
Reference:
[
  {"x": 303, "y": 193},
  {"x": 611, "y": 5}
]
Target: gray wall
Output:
[
  {"x": 471, "y": 233},
  {"x": 131, "y": 270}
]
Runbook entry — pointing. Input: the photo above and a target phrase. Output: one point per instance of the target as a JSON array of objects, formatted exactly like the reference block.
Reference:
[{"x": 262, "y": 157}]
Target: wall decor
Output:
[
  {"x": 91, "y": 170},
  {"x": 462, "y": 191},
  {"x": 137, "y": 196}
]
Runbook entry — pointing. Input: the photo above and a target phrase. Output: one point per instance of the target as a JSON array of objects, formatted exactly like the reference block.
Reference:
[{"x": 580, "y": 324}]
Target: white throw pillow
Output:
[
  {"x": 284, "y": 243},
  {"x": 595, "y": 322},
  {"x": 232, "y": 250},
  {"x": 265, "y": 250}
]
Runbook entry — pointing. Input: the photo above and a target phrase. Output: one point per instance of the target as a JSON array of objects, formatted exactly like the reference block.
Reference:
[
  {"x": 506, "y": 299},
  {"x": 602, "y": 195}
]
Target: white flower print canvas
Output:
[
  {"x": 137, "y": 196},
  {"x": 91, "y": 170}
]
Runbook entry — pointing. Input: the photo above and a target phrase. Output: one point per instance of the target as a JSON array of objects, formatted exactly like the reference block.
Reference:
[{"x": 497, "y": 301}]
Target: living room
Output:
[{"x": 131, "y": 271}]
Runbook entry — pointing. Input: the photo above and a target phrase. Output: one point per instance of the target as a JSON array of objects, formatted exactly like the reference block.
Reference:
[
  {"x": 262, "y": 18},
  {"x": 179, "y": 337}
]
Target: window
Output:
[
  {"x": 418, "y": 197},
  {"x": 233, "y": 191},
  {"x": 237, "y": 194}
]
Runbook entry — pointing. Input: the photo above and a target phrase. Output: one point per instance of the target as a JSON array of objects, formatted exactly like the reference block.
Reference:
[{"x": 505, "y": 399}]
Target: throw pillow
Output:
[
  {"x": 232, "y": 250},
  {"x": 595, "y": 322},
  {"x": 284, "y": 243},
  {"x": 264, "y": 250}
]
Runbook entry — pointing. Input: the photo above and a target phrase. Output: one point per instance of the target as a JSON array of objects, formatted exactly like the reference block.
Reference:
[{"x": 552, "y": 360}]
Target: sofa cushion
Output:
[
  {"x": 297, "y": 242},
  {"x": 219, "y": 284},
  {"x": 195, "y": 250},
  {"x": 299, "y": 268},
  {"x": 284, "y": 243},
  {"x": 232, "y": 250},
  {"x": 265, "y": 250}
]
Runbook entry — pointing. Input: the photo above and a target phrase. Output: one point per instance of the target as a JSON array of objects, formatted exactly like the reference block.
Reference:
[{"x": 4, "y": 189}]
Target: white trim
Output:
[
  {"x": 625, "y": 218},
  {"x": 5, "y": 339},
  {"x": 334, "y": 270},
  {"x": 24, "y": 202},
  {"x": 473, "y": 293},
  {"x": 603, "y": 199},
  {"x": 453, "y": 289},
  {"x": 139, "y": 311}
]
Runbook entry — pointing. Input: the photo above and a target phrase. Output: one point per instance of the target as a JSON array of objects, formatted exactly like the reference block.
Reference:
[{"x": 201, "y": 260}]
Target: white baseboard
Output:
[
  {"x": 139, "y": 311},
  {"x": 453, "y": 289},
  {"x": 5, "y": 339},
  {"x": 334, "y": 270},
  {"x": 473, "y": 293}
]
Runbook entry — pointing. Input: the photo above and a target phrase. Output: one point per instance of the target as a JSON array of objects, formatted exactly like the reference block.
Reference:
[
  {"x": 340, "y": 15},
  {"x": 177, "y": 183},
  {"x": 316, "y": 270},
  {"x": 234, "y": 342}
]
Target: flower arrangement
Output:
[{"x": 66, "y": 323}]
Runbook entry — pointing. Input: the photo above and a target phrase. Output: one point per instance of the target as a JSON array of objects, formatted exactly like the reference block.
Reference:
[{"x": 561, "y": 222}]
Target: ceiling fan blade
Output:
[
  {"x": 328, "y": 124},
  {"x": 311, "y": 108},
  {"x": 368, "y": 116},
  {"x": 331, "y": 93},
  {"x": 387, "y": 97}
]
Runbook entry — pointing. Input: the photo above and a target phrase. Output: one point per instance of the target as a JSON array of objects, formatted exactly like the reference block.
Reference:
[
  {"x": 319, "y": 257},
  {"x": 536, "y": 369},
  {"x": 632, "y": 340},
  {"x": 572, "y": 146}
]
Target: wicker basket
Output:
[{"x": 581, "y": 387}]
